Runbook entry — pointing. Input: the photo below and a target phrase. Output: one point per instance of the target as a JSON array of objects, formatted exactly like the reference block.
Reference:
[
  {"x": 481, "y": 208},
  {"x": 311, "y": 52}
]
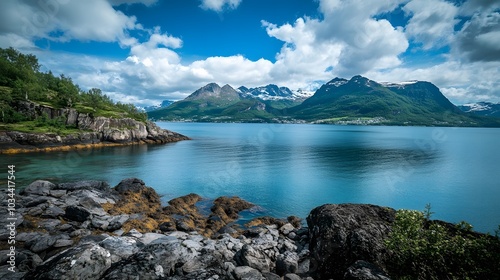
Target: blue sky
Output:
[{"x": 145, "y": 51}]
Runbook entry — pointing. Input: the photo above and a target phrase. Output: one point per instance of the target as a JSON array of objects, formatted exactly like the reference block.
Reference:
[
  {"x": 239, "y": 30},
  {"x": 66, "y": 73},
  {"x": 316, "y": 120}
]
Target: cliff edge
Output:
[{"x": 92, "y": 131}]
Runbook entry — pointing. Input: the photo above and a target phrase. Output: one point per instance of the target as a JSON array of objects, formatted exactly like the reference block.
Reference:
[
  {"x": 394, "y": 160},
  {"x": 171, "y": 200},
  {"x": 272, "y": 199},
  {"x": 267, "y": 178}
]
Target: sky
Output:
[{"x": 146, "y": 51}]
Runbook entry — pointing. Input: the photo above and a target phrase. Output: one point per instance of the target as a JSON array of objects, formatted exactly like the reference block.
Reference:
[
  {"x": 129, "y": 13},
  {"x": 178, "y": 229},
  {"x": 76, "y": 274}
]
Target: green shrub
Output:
[{"x": 425, "y": 249}]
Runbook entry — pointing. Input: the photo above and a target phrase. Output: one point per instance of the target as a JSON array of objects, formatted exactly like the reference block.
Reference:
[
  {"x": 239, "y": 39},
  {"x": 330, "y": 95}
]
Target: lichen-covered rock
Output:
[
  {"x": 362, "y": 270},
  {"x": 344, "y": 233},
  {"x": 87, "y": 261}
]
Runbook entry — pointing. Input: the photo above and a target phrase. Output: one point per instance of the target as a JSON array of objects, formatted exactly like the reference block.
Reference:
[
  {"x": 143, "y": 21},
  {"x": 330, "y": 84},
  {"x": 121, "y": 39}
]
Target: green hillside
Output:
[
  {"x": 418, "y": 103},
  {"x": 22, "y": 81}
]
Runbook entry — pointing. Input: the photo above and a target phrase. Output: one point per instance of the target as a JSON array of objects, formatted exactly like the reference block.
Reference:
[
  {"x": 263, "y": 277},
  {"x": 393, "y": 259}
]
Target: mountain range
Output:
[
  {"x": 482, "y": 109},
  {"x": 340, "y": 101}
]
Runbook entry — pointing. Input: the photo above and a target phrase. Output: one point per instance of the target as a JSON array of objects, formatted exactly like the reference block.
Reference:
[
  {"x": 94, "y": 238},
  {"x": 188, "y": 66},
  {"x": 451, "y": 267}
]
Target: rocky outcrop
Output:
[
  {"x": 94, "y": 131},
  {"x": 88, "y": 230},
  {"x": 343, "y": 234}
]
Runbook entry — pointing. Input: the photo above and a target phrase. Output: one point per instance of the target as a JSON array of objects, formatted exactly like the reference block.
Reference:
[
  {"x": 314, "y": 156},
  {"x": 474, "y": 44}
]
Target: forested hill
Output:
[{"x": 21, "y": 80}]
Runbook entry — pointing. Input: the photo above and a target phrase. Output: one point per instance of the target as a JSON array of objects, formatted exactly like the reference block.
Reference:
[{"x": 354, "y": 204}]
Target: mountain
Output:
[
  {"x": 340, "y": 101},
  {"x": 273, "y": 92},
  {"x": 482, "y": 109},
  {"x": 163, "y": 104},
  {"x": 213, "y": 103},
  {"x": 407, "y": 103},
  {"x": 274, "y": 96}
]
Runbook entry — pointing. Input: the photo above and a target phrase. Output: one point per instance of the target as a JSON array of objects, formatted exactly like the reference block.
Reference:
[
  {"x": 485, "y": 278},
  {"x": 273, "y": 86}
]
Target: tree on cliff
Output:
[{"x": 22, "y": 80}]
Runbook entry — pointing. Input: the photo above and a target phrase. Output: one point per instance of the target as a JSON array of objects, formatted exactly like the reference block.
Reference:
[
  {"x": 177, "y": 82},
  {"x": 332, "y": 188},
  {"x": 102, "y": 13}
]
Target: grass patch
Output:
[{"x": 34, "y": 127}]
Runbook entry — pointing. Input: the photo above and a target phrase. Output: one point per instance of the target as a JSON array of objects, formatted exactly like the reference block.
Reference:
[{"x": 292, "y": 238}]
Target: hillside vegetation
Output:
[{"x": 21, "y": 80}]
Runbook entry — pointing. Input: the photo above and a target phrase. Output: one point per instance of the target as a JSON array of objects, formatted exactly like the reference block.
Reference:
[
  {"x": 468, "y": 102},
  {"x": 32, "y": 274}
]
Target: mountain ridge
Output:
[{"x": 358, "y": 100}]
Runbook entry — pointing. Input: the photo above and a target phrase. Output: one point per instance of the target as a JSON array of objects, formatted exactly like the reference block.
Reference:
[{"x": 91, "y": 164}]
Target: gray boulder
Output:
[
  {"x": 77, "y": 213},
  {"x": 38, "y": 187},
  {"x": 287, "y": 263},
  {"x": 246, "y": 273},
  {"x": 362, "y": 270},
  {"x": 251, "y": 257},
  {"x": 344, "y": 233},
  {"x": 87, "y": 261}
]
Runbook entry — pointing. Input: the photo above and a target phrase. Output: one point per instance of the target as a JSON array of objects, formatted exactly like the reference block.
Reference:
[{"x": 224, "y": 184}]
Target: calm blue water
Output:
[{"x": 288, "y": 169}]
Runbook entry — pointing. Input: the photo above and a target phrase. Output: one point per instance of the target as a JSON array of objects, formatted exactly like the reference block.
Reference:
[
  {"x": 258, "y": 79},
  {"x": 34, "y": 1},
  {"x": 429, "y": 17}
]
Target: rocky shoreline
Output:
[
  {"x": 89, "y": 230},
  {"x": 94, "y": 132}
]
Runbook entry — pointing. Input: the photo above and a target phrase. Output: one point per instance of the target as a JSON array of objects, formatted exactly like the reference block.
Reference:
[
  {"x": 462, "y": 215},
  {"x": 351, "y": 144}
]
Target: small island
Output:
[
  {"x": 89, "y": 230},
  {"x": 43, "y": 112}
]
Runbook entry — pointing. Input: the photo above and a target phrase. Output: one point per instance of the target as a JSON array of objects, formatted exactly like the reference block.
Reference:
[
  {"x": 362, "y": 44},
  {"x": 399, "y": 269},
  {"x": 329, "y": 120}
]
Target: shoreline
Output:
[
  {"x": 73, "y": 147},
  {"x": 88, "y": 229}
]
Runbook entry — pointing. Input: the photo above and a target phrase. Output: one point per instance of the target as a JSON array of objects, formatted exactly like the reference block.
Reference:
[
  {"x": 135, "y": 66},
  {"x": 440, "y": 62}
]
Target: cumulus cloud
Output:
[
  {"x": 63, "y": 20},
  {"x": 349, "y": 39},
  {"x": 219, "y": 5},
  {"x": 432, "y": 22},
  {"x": 479, "y": 39}
]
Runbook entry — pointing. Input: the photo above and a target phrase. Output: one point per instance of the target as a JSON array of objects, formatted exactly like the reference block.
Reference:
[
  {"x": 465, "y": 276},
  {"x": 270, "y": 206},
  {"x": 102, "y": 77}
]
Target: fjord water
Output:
[{"x": 288, "y": 169}]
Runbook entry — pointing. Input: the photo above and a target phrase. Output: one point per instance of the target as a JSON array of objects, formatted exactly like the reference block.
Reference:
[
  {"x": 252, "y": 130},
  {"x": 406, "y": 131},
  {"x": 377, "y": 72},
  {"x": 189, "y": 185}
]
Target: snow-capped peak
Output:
[{"x": 398, "y": 84}]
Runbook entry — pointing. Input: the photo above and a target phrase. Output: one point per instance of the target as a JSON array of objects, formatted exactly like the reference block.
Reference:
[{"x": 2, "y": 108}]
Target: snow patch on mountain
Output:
[
  {"x": 398, "y": 84},
  {"x": 273, "y": 92}
]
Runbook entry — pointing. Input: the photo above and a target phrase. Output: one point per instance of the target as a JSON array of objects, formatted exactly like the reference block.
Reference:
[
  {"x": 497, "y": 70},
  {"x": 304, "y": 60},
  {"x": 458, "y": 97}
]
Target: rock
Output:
[
  {"x": 120, "y": 247},
  {"x": 92, "y": 206},
  {"x": 25, "y": 260},
  {"x": 34, "y": 201},
  {"x": 87, "y": 261},
  {"x": 117, "y": 222},
  {"x": 50, "y": 224},
  {"x": 295, "y": 221},
  {"x": 80, "y": 232},
  {"x": 52, "y": 212},
  {"x": 362, "y": 270},
  {"x": 248, "y": 256},
  {"x": 270, "y": 276},
  {"x": 130, "y": 185},
  {"x": 38, "y": 187},
  {"x": 287, "y": 263},
  {"x": 342, "y": 234},
  {"x": 149, "y": 237},
  {"x": 155, "y": 261},
  {"x": 191, "y": 244},
  {"x": 246, "y": 273},
  {"x": 42, "y": 243},
  {"x": 167, "y": 227},
  {"x": 286, "y": 229},
  {"x": 57, "y": 193},
  {"x": 63, "y": 243},
  {"x": 84, "y": 185},
  {"x": 291, "y": 276},
  {"x": 100, "y": 222},
  {"x": 76, "y": 213}
]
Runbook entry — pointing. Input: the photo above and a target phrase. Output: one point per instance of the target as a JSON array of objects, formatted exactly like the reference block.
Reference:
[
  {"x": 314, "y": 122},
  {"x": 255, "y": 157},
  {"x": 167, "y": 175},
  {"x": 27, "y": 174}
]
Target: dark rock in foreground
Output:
[{"x": 343, "y": 234}]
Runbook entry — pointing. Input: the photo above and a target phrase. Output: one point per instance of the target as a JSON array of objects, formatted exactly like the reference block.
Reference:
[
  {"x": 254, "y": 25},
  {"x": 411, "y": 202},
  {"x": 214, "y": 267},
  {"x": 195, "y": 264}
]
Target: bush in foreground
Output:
[{"x": 425, "y": 249}]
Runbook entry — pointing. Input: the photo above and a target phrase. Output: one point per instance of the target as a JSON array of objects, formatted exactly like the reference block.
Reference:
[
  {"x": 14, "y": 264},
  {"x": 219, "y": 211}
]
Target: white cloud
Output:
[
  {"x": 348, "y": 40},
  {"x": 219, "y": 5},
  {"x": 460, "y": 82},
  {"x": 432, "y": 22},
  {"x": 63, "y": 20}
]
